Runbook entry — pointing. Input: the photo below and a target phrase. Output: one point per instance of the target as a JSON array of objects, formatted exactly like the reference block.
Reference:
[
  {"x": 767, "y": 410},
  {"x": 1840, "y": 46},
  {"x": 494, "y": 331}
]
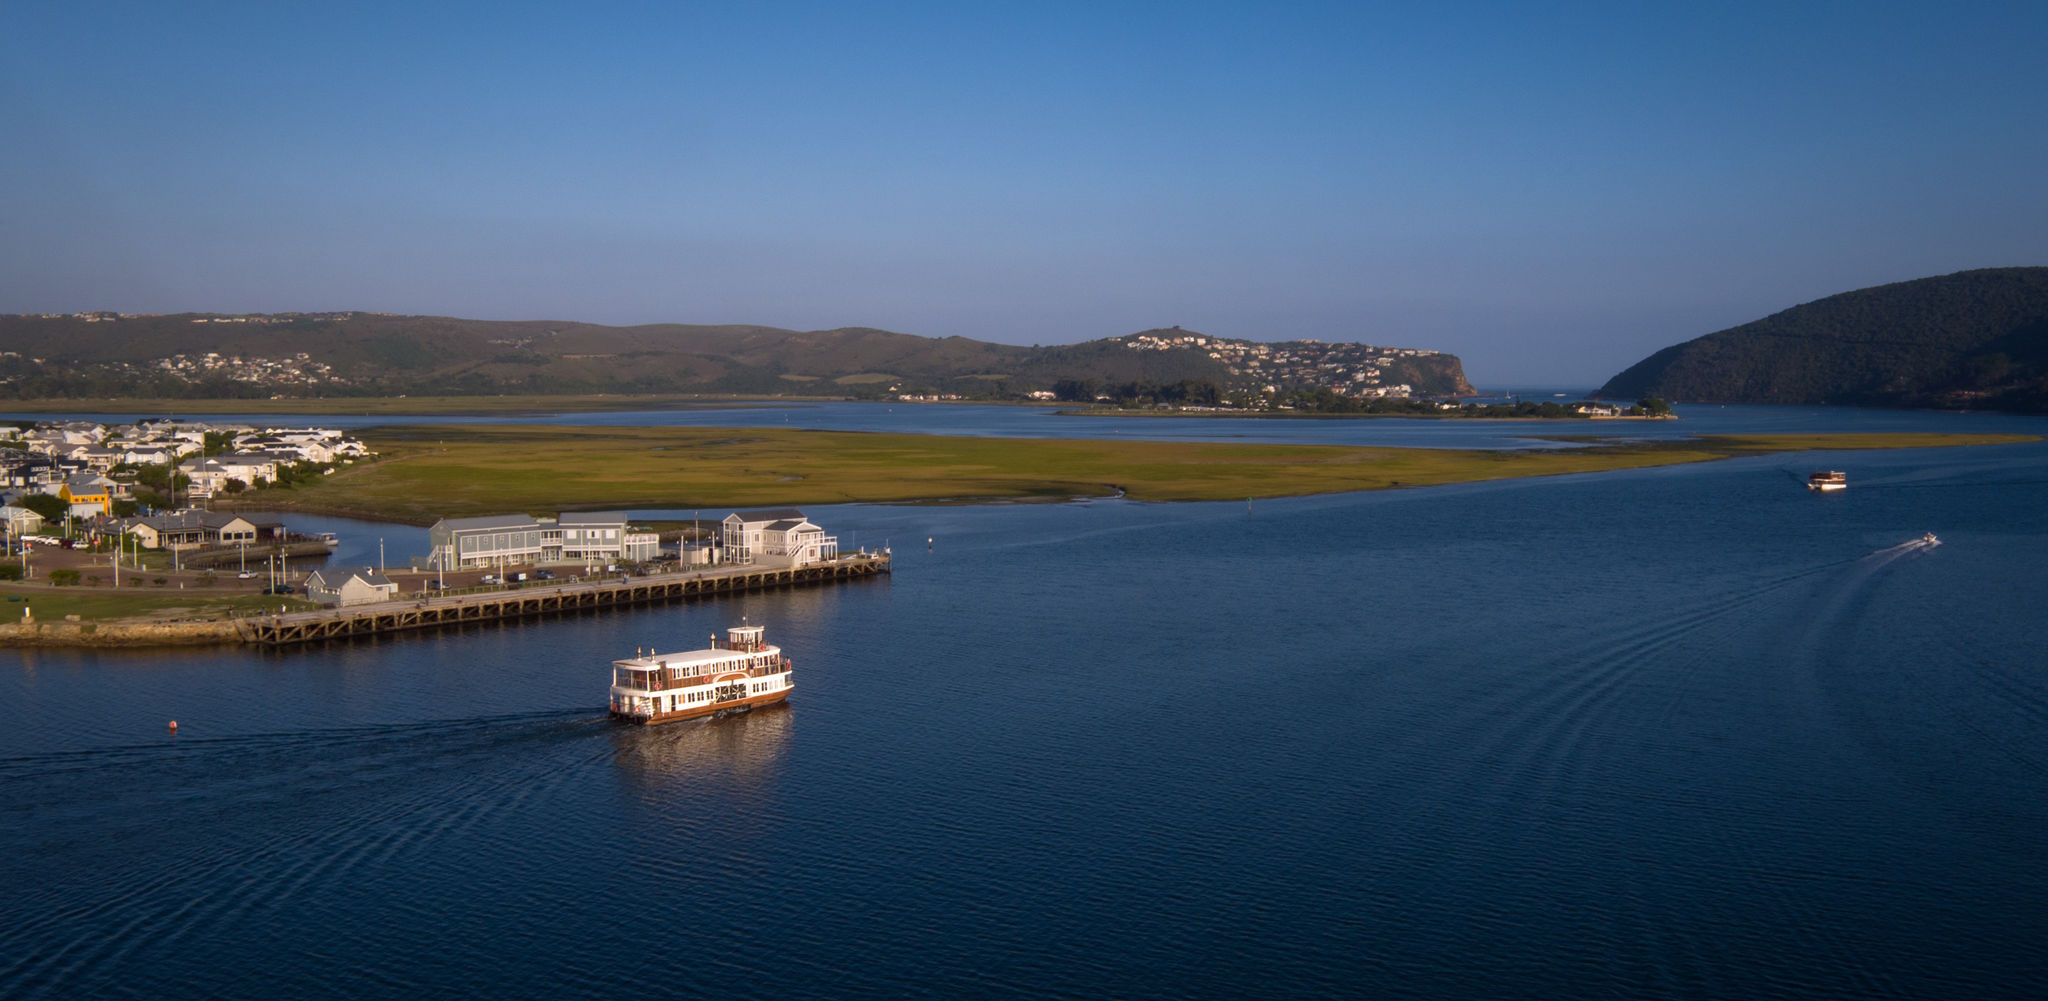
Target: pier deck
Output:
[{"x": 544, "y": 599}]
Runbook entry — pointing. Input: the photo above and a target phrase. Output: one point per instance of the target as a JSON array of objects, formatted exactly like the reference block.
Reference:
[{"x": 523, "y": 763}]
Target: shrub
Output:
[{"x": 64, "y": 578}]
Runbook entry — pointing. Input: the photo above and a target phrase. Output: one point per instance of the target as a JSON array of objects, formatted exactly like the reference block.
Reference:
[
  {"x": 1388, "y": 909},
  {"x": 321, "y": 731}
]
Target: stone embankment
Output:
[{"x": 117, "y": 634}]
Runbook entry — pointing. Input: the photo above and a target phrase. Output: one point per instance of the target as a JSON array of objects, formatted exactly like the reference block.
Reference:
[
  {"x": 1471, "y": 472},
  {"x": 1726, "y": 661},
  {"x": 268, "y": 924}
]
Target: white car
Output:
[{"x": 246, "y": 575}]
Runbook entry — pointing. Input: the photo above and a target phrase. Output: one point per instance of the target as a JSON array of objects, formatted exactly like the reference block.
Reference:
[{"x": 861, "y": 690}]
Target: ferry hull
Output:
[
  {"x": 1827, "y": 487},
  {"x": 706, "y": 709}
]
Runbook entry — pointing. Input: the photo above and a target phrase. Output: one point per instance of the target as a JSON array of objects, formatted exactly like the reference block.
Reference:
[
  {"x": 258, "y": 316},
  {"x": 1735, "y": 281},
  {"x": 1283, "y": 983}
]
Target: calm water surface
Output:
[{"x": 1687, "y": 732}]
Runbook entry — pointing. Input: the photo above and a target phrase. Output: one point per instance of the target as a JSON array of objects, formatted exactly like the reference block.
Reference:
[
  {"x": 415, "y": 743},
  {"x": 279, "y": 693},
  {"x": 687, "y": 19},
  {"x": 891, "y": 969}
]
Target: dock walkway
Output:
[{"x": 544, "y": 599}]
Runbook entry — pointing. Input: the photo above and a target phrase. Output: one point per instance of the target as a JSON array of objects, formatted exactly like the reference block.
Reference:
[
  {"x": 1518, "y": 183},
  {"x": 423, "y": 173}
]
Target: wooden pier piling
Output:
[{"x": 544, "y": 599}]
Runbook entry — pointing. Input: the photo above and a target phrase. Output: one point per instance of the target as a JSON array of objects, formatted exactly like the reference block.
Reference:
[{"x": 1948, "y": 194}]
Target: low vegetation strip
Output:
[{"x": 430, "y": 472}]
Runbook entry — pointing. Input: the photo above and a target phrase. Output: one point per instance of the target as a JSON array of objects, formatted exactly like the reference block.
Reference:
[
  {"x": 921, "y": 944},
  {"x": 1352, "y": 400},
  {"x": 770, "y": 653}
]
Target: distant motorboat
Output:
[
  {"x": 1930, "y": 540},
  {"x": 1832, "y": 479}
]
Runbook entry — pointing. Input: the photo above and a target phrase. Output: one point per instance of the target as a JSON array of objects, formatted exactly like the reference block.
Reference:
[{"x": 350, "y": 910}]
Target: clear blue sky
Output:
[{"x": 1550, "y": 193}]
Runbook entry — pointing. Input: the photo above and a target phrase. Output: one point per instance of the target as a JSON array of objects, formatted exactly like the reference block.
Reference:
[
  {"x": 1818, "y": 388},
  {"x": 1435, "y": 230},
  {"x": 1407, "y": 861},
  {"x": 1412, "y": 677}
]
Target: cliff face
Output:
[
  {"x": 1970, "y": 339},
  {"x": 1432, "y": 375}
]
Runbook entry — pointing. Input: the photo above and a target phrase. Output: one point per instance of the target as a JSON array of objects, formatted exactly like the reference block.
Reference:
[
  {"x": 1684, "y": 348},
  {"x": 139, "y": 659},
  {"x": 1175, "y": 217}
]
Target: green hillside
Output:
[
  {"x": 1976, "y": 339},
  {"x": 189, "y": 356}
]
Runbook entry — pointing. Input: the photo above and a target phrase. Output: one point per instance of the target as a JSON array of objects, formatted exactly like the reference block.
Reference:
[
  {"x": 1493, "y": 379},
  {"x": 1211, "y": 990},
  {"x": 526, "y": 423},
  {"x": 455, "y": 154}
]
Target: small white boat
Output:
[
  {"x": 1929, "y": 540},
  {"x": 1832, "y": 479}
]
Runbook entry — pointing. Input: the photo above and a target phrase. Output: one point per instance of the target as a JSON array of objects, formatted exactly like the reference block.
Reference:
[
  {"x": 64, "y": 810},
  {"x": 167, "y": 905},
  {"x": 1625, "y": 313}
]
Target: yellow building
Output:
[{"x": 86, "y": 496}]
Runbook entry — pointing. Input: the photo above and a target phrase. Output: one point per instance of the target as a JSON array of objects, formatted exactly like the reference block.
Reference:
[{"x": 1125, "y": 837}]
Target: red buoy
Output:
[{"x": 174, "y": 725}]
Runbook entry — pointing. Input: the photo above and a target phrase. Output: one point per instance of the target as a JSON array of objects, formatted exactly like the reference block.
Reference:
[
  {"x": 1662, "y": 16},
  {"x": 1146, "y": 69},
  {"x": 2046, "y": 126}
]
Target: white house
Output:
[
  {"x": 344, "y": 587},
  {"x": 776, "y": 537},
  {"x": 209, "y": 474},
  {"x": 20, "y": 521}
]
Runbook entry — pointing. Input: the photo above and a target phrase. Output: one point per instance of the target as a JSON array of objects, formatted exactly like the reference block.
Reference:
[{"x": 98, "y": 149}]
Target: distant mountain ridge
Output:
[
  {"x": 363, "y": 354},
  {"x": 1973, "y": 339}
]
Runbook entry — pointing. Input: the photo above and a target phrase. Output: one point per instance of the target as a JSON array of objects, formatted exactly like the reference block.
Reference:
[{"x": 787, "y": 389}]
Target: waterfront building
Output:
[
  {"x": 191, "y": 528},
  {"x": 519, "y": 540},
  {"x": 349, "y": 587},
  {"x": 488, "y": 541},
  {"x": 603, "y": 536},
  {"x": 170, "y": 530},
  {"x": 776, "y": 537}
]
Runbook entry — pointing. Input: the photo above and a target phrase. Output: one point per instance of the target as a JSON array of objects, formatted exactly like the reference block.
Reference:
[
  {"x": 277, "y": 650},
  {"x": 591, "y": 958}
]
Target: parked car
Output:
[
  {"x": 279, "y": 589},
  {"x": 489, "y": 578},
  {"x": 434, "y": 585},
  {"x": 246, "y": 575},
  {"x": 544, "y": 575},
  {"x": 516, "y": 578}
]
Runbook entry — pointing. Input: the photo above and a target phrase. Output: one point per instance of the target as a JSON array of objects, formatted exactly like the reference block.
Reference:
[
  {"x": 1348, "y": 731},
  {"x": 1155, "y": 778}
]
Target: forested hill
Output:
[
  {"x": 97, "y": 355},
  {"x": 1975, "y": 339}
]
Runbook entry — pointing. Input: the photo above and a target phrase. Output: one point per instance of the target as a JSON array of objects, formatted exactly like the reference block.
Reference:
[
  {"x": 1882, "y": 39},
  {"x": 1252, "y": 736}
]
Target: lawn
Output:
[{"x": 52, "y": 604}]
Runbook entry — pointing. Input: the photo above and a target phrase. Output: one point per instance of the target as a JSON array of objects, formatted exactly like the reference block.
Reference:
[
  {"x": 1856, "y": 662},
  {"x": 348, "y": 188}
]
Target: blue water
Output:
[
  {"x": 1688, "y": 732},
  {"x": 1045, "y": 422}
]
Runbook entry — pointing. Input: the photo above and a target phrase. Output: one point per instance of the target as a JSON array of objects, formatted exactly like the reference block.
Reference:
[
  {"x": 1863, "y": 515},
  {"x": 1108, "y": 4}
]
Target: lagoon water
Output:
[{"x": 1690, "y": 732}]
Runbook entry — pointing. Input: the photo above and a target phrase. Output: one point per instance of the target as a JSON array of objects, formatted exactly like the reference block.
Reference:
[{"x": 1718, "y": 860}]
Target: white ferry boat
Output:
[
  {"x": 1833, "y": 479},
  {"x": 739, "y": 674}
]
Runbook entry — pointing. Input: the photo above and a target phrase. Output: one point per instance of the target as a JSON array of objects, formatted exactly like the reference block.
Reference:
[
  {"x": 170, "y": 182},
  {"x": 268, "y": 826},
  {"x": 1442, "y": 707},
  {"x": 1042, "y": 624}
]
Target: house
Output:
[
  {"x": 776, "y": 537},
  {"x": 19, "y": 521},
  {"x": 210, "y": 476},
  {"x": 248, "y": 529},
  {"x": 147, "y": 454},
  {"x": 23, "y": 470},
  {"x": 171, "y": 530},
  {"x": 349, "y": 587},
  {"x": 191, "y": 528},
  {"x": 1592, "y": 409},
  {"x": 87, "y": 494}
]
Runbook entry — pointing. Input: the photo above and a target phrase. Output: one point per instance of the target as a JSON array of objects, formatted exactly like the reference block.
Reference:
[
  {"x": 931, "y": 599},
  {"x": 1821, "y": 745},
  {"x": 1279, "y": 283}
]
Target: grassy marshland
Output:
[{"x": 428, "y": 472}]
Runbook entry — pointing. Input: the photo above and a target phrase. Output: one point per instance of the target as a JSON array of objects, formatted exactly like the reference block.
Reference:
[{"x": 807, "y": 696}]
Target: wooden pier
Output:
[{"x": 544, "y": 599}]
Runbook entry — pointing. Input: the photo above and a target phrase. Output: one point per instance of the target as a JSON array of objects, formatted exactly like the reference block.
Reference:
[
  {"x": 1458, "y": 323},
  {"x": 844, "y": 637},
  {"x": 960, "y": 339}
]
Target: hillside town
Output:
[{"x": 1346, "y": 368}]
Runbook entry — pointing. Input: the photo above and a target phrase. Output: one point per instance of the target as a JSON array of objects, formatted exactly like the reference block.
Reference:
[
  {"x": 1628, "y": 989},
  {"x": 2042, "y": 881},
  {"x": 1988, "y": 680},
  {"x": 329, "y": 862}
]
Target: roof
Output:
[
  {"x": 767, "y": 514},
  {"x": 694, "y": 658},
  {"x": 785, "y": 524},
  {"x": 174, "y": 521},
  {"x": 368, "y": 577},
  {"x": 487, "y": 521},
  {"x": 591, "y": 518}
]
